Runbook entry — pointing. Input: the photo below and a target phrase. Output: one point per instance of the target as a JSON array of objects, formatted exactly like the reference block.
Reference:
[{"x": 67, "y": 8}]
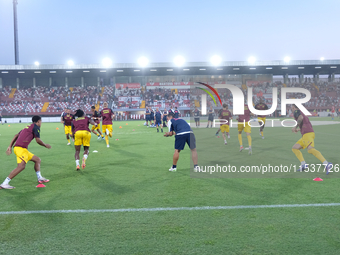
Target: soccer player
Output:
[
  {"x": 107, "y": 117},
  {"x": 96, "y": 118},
  {"x": 244, "y": 125},
  {"x": 158, "y": 120},
  {"x": 152, "y": 116},
  {"x": 165, "y": 113},
  {"x": 82, "y": 136},
  {"x": 261, "y": 118},
  {"x": 307, "y": 140},
  {"x": 67, "y": 121},
  {"x": 147, "y": 115},
  {"x": 62, "y": 115},
  {"x": 176, "y": 112},
  {"x": 333, "y": 111},
  {"x": 225, "y": 115},
  {"x": 210, "y": 116},
  {"x": 197, "y": 116},
  {"x": 22, "y": 140},
  {"x": 1, "y": 118},
  {"x": 183, "y": 134},
  {"x": 219, "y": 129}
]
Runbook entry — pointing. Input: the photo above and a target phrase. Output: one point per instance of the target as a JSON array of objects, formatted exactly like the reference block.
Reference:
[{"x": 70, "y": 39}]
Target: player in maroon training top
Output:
[
  {"x": 307, "y": 140},
  {"x": 261, "y": 118},
  {"x": 107, "y": 117},
  {"x": 82, "y": 135},
  {"x": 22, "y": 140},
  {"x": 244, "y": 125},
  {"x": 225, "y": 114},
  {"x": 96, "y": 118},
  {"x": 67, "y": 121}
]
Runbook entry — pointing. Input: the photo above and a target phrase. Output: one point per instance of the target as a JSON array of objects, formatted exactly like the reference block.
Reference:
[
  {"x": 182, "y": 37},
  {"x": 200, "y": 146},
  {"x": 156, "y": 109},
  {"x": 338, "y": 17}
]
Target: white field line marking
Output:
[{"x": 171, "y": 209}]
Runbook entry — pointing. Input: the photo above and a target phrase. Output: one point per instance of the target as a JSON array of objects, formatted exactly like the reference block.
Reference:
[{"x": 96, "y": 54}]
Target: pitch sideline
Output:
[{"x": 170, "y": 209}]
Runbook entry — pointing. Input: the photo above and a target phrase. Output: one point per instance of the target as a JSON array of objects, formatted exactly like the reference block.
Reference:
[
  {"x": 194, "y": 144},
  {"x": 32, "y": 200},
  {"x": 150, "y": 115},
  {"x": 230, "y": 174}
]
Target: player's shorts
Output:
[
  {"x": 164, "y": 118},
  {"x": 96, "y": 127},
  {"x": 261, "y": 118},
  {"x": 108, "y": 127},
  {"x": 306, "y": 140},
  {"x": 211, "y": 118},
  {"x": 68, "y": 130},
  {"x": 244, "y": 127},
  {"x": 224, "y": 128},
  {"x": 82, "y": 137},
  {"x": 147, "y": 117},
  {"x": 158, "y": 122},
  {"x": 181, "y": 140},
  {"x": 22, "y": 154},
  {"x": 197, "y": 119}
]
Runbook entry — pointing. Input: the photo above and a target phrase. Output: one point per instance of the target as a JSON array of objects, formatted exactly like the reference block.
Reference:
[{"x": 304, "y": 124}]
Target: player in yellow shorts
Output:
[
  {"x": 307, "y": 141},
  {"x": 225, "y": 114},
  {"x": 82, "y": 136},
  {"x": 244, "y": 125},
  {"x": 21, "y": 141},
  {"x": 261, "y": 118},
  {"x": 96, "y": 118},
  {"x": 107, "y": 117},
  {"x": 67, "y": 121}
]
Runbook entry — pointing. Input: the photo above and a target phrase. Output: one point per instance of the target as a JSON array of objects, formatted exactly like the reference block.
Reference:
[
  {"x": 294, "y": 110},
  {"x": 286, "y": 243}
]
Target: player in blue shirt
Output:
[
  {"x": 183, "y": 134},
  {"x": 158, "y": 120}
]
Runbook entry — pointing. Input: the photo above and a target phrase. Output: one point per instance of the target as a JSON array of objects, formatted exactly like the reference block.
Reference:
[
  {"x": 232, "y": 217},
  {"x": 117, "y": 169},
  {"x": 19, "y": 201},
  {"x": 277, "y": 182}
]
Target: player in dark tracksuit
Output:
[
  {"x": 176, "y": 112},
  {"x": 165, "y": 113},
  {"x": 152, "y": 116},
  {"x": 158, "y": 119}
]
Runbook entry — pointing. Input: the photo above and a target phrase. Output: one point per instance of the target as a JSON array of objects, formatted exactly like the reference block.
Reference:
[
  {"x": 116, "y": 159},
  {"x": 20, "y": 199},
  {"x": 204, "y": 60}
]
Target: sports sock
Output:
[
  {"x": 107, "y": 139},
  {"x": 317, "y": 154},
  {"x": 174, "y": 166},
  {"x": 6, "y": 181},
  {"x": 225, "y": 141},
  {"x": 110, "y": 134},
  {"x": 262, "y": 133},
  {"x": 68, "y": 140},
  {"x": 85, "y": 156},
  {"x": 298, "y": 154},
  {"x": 102, "y": 135},
  {"x": 249, "y": 140},
  {"x": 162, "y": 129},
  {"x": 77, "y": 162},
  {"x": 240, "y": 139},
  {"x": 38, "y": 174}
]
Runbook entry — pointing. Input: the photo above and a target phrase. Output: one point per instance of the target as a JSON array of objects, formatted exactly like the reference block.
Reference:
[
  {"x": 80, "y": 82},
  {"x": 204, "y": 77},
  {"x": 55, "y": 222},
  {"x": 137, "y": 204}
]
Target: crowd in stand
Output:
[{"x": 325, "y": 94}]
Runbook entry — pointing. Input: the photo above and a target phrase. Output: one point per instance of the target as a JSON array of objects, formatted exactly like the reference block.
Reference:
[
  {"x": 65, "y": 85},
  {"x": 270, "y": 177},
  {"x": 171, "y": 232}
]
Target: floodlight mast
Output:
[{"x": 16, "y": 44}]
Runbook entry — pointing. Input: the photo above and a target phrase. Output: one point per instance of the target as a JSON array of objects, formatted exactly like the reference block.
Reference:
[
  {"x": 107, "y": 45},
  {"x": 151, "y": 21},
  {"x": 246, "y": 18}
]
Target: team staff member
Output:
[
  {"x": 197, "y": 116},
  {"x": 96, "y": 118},
  {"x": 176, "y": 112},
  {"x": 183, "y": 134},
  {"x": 82, "y": 136},
  {"x": 107, "y": 117},
  {"x": 147, "y": 116},
  {"x": 22, "y": 140},
  {"x": 210, "y": 116}
]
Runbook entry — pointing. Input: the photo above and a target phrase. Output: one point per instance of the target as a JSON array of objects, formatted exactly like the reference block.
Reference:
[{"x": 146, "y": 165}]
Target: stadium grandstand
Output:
[{"x": 48, "y": 89}]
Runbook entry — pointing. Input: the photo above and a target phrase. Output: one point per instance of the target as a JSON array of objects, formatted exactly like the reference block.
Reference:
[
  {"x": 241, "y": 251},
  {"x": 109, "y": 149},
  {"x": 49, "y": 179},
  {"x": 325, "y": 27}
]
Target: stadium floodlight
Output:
[
  {"x": 179, "y": 61},
  {"x": 216, "y": 60},
  {"x": 143, "y": 61},
  {"x": 322, "y": 58},
  {"x": 36, "y": 63},
  {"x": 70, "y": 63},
  {"x": 286, "y": 59},
  {"x": 107, "y": 62},
  {"x": 251, "y": 60}
]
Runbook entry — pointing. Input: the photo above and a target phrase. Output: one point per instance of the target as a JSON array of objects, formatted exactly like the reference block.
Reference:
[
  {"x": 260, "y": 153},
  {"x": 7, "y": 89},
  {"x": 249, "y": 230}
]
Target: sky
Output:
[{"x": 55, "y": 31}]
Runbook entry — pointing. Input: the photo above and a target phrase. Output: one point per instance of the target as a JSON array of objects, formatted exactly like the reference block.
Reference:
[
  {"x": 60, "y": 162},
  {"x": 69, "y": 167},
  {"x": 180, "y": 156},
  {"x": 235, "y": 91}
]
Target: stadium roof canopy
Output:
[{"x": 294, "y": 67}]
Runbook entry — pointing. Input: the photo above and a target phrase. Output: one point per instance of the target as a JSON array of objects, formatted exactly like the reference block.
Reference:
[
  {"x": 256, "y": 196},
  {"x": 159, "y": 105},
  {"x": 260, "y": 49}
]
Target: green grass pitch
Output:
[{"x": 133, "y": 173}]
